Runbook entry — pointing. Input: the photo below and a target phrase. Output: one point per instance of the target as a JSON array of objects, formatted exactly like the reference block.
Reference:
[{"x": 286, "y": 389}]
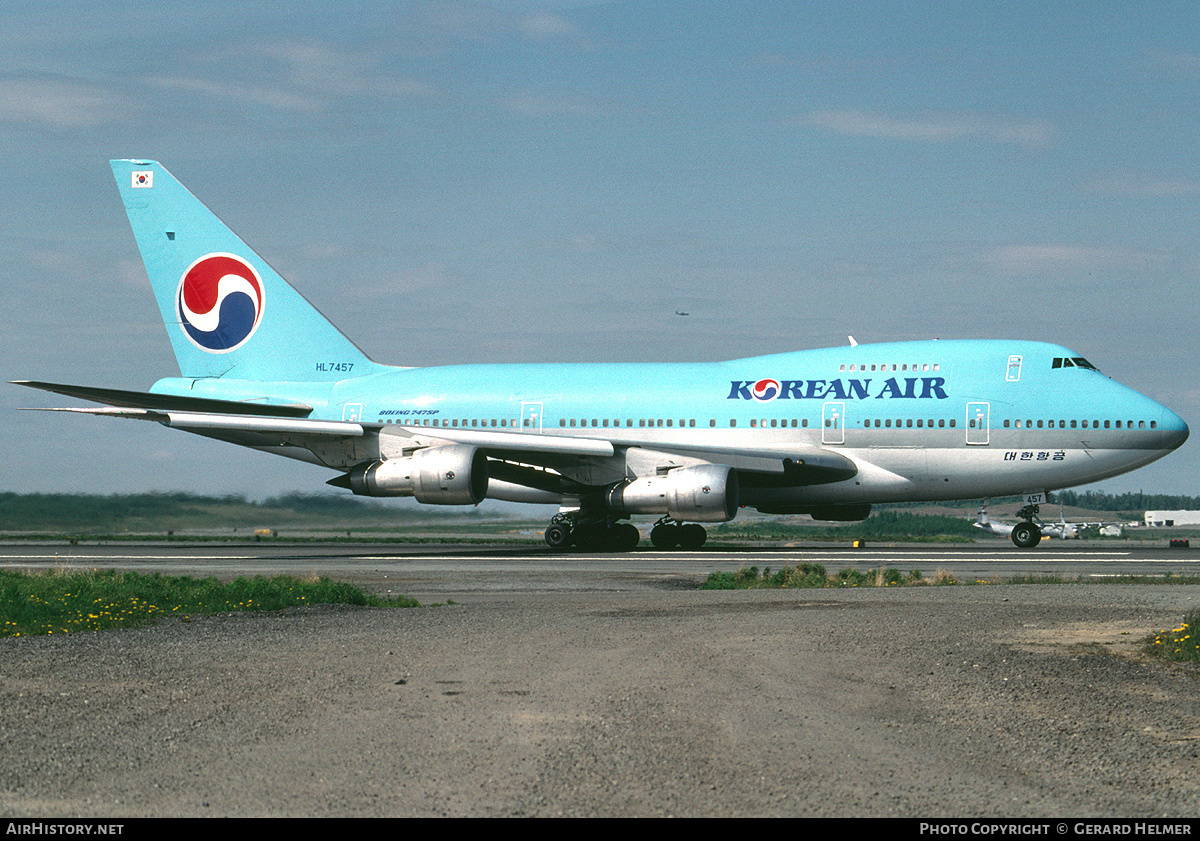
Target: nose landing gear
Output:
[{"x": 1027, "y": 533}]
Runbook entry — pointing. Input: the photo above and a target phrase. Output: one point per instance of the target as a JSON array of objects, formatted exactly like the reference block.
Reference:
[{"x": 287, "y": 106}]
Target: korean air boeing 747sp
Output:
[{"x": 822, "y": 432}]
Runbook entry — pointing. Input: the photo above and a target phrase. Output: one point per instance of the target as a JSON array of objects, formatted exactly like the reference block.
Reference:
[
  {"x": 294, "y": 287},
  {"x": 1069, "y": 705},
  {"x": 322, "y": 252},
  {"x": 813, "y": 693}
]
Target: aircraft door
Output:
[
  {"x": 1014, "y": 369},
  {"x": 531, "y": 417},
  {"x": 978, "y": 423},
  {"x": 352, "y": 412},
  {"x": 833, "y": 426}
]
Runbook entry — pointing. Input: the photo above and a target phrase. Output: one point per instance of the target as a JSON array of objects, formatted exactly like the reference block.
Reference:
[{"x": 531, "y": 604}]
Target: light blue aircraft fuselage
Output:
[{"x": 825, "y": 432}]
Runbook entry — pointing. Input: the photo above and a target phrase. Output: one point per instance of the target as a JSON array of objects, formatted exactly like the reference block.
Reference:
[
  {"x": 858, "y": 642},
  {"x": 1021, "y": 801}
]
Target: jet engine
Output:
[
  {"x": 706, "y": 493},
  {"x": 450, "y": 475}
]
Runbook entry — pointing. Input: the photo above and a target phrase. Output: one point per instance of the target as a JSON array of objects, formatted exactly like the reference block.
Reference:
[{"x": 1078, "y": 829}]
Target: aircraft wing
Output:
[
  {"x": 756, "y": 467},
  {"x": 286, "y": 428}
]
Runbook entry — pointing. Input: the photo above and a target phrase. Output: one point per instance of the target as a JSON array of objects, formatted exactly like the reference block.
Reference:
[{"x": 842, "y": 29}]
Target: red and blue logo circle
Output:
[
  {"x": 219, "y": 302},
  {"x": 765, "y": 390}
]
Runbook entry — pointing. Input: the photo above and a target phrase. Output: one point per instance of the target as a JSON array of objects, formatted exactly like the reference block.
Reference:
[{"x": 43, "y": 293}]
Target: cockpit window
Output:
[{"x": 1072, "y": 362}]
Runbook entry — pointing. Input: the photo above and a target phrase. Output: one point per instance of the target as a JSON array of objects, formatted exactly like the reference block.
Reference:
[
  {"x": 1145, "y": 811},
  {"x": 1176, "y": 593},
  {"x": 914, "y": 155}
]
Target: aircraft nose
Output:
[{"x": 1174, "y": 430}]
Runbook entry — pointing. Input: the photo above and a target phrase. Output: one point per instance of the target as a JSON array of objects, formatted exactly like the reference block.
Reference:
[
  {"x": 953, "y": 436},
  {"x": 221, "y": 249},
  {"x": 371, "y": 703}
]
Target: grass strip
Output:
[
  {"x": 814, "y": 576},
  {"x": 66, "y": 602}
]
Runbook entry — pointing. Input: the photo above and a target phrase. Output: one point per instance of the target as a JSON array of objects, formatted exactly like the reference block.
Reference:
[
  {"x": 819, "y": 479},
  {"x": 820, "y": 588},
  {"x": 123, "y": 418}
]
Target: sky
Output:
[{"x": 551, "y": 181}]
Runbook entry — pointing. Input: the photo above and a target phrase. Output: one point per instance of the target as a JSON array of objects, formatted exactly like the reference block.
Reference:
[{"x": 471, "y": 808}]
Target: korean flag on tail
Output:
[{"x": 143, "y": 178}]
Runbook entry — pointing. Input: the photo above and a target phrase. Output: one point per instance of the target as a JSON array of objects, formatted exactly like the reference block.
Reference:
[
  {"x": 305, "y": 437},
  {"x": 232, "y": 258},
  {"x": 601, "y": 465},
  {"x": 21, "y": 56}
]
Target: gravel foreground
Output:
[{"x": 990, "y": 701}]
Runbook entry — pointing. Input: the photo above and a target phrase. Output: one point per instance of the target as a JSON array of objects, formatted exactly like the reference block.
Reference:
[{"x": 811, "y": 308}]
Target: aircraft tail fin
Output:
[{"x": 227, "y": 312}]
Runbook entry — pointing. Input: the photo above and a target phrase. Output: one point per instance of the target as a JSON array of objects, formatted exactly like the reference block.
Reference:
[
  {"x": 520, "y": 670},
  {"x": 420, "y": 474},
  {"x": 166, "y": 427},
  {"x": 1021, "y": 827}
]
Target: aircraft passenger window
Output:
[
  {"x": 888, "y": 423},
  {"x": 937, "y": 366},
  {"x": 909, "y": 424},
  {"x": 903, "y": 367},
  {"x": 1118, "y": 424},
  {"x": 1107, "y": 424},
  {"x": 753, "y": 422},
  {"x": 941, "y": 423},
  {"x": 1006, "y": 423},
  {"x": 921, "y": 423},
  {"x": 691, "y": 422},
  {"x": 670, "y": 422},
  {"x": 732, "y": 423},
  {"x": 953, "y": 422},
  {"x": 1129, "y": 424},
  {"x": 712, "y": 421},
  {"x": 804, "y": 422},
  {"x": 1141, "y": 424},
  {"x": 1154, "y": 424},
  {"x": 842, "y": 367},
  {"x": 774, "y": 423}
]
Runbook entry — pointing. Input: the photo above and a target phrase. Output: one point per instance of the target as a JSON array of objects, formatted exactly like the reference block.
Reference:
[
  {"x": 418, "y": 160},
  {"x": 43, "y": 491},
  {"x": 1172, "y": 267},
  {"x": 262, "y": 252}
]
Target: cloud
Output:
[
  {"x": 271, "y": 97},
  {"x": 1030, "y": 260},
  {"x": 1144, "y": 185},
  {"x": 433, "y": 27},
  {"x": 931, "y": 129},
  {"x": 545, "y": 26},
  {"x": 292, "y": 76},
  {"x": 537, "y": 104},
  {"x": 60, "y": 103}
]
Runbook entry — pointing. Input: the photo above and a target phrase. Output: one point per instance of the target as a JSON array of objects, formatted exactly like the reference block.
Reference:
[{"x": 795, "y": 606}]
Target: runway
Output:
[
  {"x": 450, "y": 570},
  {"x": 608, "y": 685}
]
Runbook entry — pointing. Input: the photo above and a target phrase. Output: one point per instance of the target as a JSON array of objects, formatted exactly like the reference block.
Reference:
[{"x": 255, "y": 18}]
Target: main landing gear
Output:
[
  {"x": 1027, "y": 533},
  {"x": 668, "y": 534},
  {"x": 568, "y": 531}
]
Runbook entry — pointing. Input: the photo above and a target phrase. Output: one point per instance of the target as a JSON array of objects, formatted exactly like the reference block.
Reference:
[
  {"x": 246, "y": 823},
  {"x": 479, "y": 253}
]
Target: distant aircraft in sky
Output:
[{"x": 822, "y": 432}]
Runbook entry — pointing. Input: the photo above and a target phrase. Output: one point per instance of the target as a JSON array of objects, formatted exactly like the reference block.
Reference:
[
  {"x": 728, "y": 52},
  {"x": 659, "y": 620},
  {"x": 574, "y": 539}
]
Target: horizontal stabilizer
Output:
[{"x": 169, "y": 402}]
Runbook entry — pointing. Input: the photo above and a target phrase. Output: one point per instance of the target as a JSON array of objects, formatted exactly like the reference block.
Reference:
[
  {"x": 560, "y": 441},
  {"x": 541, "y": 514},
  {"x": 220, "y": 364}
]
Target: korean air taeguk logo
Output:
[
  {"x": 219, "y": 302},
  {"x": 765, "y": 390}
]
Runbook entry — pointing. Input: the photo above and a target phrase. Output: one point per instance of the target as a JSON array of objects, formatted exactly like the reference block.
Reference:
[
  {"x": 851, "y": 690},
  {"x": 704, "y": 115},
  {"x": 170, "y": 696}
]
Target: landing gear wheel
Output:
[
  {"x": 1026, "y": 535},
  {"x": 558, "y": 536},
  {"x": 665, "y": 536},
  {"x": 591, "y": 537},
  {"x": 692, "y": 536},
  {"x": 624, "y": 537}
]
